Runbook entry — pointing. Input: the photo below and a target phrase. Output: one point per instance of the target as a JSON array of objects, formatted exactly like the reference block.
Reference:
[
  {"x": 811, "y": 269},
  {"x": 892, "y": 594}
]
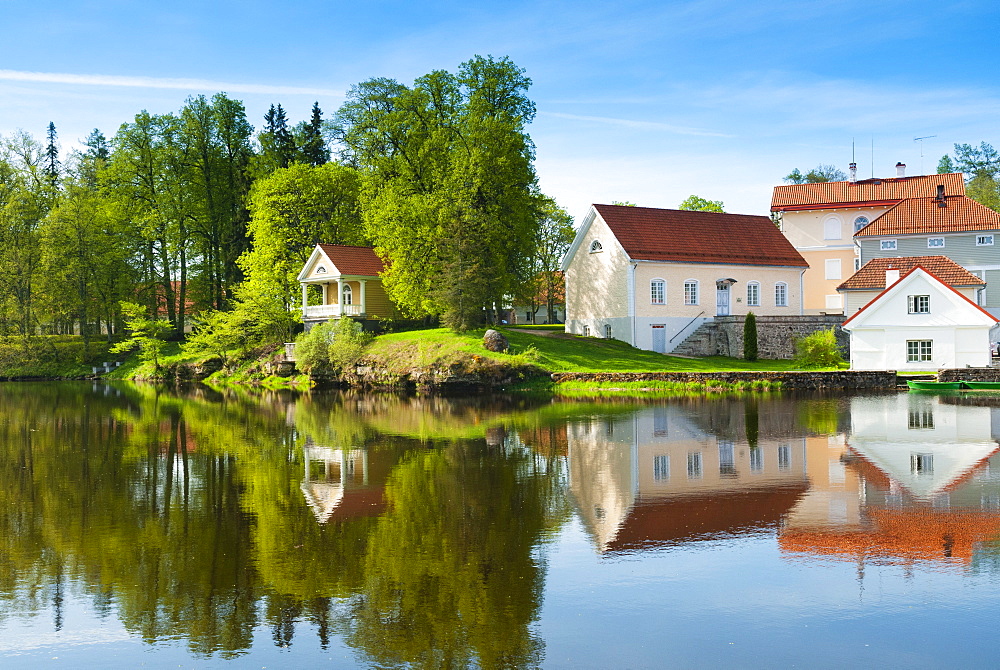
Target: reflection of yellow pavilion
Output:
[
  {"x": 916, "y": 481},
  {"x": 658, "y": 476},
  {"x": 336, "y": 483}
]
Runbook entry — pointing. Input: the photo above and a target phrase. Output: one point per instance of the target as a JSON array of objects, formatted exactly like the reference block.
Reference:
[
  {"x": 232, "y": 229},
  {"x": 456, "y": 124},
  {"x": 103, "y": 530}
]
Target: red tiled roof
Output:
[
  {"x": 916, "y": 216},
  {"x": 354, "y": 260},
  {"x": 872, "y": 276},
  {"x": 650, "y": 234},
  {"x": 867, "y": 192}
]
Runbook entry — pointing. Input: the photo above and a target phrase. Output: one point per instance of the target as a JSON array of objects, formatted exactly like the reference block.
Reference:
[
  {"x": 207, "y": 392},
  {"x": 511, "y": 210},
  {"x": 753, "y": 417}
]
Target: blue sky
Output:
[{"x": 642, "y": 101}]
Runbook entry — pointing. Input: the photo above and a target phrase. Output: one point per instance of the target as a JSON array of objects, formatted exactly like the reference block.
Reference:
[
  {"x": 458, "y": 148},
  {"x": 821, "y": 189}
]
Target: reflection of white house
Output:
[
  {"x": 656, "y": 477},
  {"x": 919, "y": 323},
  {"x": 650, "y": 277},
  {"x": 350, "y": 282},
  {"x": 336, "y": 481}
]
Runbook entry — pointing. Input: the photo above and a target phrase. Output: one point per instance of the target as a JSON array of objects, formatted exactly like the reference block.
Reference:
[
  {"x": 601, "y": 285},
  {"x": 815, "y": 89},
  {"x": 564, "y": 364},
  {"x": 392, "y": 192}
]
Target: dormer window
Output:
[
  {"x": 595, "y": 246},
  {"x": 321, "y": 270}
]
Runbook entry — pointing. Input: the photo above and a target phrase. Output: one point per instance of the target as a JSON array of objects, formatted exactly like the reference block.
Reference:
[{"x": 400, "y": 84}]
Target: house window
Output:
[
  {"x": 348, "y": 295},
  {"x": 661, "y": 468},
  {"x": 860, "y": 223},
  {"x": 857, "y": 264},
  {"x": 320, "y": 270},
  {"x": 756, "y": 459},
  {"x": 727, "y": 458},
  {"x": 595, "y": 246},
  {"x": 921, "y": 418},
  {"x": 831, "y": 229},
  {"x": 781, "y": 294},
  {"x": 887, "y": 245},
  {"x": 919, "y": 351},
  {"x": 691, "y": 292},
  {"x": 935, "y": 242},
  {"x": 658, "y": 292},
  {"x": 833, "y": 268},
  {"x": 753, "y": 294},
  {"x": 984, "y": 240},
  {"x": 694, "y": 465},
  {"x": 586, "y": 331},
  {"x": 784, "y": 457},
  {"x": 922, "y": 464},
  {"x": 607, "y": 331},
  {"x": 918, "y": 304}
]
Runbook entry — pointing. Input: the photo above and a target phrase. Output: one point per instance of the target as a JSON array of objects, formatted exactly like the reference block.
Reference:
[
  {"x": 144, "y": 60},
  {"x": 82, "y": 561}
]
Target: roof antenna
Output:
[
  {"x": 873, "y": 156},
  {"x": 921, "y": 140}
]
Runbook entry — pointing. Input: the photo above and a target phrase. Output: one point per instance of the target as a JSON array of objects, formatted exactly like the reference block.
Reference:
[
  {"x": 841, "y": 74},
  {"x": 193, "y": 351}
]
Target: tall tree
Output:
[
  {"x": 819, "y": 174},
  {"x": 981, "y": 166},
  {"x": 52, "y": 165},
  {"x": 545, "y": 285},
  {"x": 277, "y": 144},
  {"x": 449, "y": 185},
  {"x": 312, "y": 146}
]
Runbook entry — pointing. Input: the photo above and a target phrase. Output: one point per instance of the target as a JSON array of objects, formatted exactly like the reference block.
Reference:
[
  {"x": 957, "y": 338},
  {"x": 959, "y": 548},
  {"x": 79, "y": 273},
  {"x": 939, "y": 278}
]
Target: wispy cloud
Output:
[
  {"x": 161, "y": 82},
  {"x": 639, "y": 125}
]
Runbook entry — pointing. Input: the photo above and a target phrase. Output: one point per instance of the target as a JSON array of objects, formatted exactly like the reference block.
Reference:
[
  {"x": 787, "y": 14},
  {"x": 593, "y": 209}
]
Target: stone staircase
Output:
[{"x": 701, "y": 341}]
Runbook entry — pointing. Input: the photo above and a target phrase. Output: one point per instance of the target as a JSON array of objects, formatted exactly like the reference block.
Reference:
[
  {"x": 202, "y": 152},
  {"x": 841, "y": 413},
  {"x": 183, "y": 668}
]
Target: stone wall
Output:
[
  {"x": 836, "y": 379},
  {"x": 969, "y": 374},
  {"x": 776, "y": 335}
]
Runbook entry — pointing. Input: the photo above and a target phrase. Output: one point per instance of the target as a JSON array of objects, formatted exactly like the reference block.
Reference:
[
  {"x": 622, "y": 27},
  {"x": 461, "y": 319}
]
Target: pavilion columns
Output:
[
  {"x": 364, "y": 306},
  {"x": 340, "y": 297},
  {"x": 305, "y": 297}
]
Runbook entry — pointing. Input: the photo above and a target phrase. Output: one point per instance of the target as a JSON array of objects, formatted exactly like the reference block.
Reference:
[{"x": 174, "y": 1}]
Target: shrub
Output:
[
  {"x": 146, "y": 334},
  {"x": 750, "y": 337},
  {"x": 332, "y": 345},
  {"x": 818, "y": 350}
]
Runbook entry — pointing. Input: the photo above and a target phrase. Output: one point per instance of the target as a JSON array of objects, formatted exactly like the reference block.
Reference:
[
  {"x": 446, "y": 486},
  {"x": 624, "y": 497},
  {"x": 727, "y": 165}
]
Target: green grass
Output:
[{"x": 50, "y": 356}]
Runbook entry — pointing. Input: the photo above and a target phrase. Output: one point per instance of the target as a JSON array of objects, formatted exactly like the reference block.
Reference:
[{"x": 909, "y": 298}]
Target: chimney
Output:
[
  {"x": 891, "y": 276},
  {"x": 852, "y": 169},
  {"x": 900, "y": 169}
]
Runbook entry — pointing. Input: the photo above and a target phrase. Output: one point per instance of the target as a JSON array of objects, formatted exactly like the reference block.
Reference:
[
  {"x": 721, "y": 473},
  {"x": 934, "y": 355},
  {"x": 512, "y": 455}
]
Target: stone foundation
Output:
[{"x": 776, "y": 335}]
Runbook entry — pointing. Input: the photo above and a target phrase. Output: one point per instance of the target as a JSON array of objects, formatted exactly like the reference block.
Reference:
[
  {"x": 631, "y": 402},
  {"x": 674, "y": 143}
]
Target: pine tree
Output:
[
  {"x": 312, "y": 149},
  {"x": 52, "y": 165},
  {"x": 750, "y": 337}
]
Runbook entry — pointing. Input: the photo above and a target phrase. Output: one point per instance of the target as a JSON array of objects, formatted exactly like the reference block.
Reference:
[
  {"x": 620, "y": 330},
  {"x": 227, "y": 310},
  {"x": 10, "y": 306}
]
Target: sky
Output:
[{"x": 640, "y": 101}]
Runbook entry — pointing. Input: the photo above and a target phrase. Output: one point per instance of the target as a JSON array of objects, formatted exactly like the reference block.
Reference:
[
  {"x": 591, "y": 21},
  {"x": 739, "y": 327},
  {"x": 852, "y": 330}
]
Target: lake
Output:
[{"x": 202, "y": 528}]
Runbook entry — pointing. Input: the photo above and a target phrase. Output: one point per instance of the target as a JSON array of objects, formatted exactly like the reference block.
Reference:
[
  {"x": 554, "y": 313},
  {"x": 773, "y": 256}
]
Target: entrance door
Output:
[
  {"x": 722, "y": 300},
  {"x": 660, "y": 338}
]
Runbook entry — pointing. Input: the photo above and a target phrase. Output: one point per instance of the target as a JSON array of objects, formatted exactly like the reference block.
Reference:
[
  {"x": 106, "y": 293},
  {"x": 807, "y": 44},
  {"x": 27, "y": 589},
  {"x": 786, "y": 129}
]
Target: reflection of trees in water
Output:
[{"x": 185, "y": 517}]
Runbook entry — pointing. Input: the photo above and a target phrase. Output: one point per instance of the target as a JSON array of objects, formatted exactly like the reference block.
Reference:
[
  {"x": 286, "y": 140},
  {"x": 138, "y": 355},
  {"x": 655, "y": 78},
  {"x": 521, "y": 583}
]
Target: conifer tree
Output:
[
  {"x": 52, "y": 167},
  {"x": 312, "y": 148}
]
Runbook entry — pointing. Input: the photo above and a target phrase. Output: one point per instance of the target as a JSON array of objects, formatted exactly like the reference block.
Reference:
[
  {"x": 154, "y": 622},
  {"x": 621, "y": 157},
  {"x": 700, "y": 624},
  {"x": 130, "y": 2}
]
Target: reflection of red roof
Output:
[
  {"x": 905, "y": 535},
  {"x": 354, "y": 260},
  {"x": 924, "y": 216},
  {"x": 658, "y": 521},
  {"x": 872, "y": 275},
  {"x": 864, "y": 193},
  {"x": 699, "y": 237},
  {"x": 362, "y": 502}
]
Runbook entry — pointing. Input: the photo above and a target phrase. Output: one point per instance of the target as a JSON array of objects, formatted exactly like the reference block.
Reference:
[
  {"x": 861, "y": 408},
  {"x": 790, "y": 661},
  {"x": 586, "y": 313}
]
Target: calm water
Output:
[{"x": 141, "y": 527}]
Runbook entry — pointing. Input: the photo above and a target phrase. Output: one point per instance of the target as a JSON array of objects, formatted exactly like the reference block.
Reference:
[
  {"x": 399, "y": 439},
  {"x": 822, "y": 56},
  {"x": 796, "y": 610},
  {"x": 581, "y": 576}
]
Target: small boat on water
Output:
[{"x": 926, "y": 385}]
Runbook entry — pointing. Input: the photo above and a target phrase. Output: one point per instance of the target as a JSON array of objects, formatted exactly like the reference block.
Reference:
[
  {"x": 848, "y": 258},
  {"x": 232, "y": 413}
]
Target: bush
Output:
[
  {"x": 750, "y": 337},
  {"x": 818, "y": 350},
  {"x": 332, "y": 345}
]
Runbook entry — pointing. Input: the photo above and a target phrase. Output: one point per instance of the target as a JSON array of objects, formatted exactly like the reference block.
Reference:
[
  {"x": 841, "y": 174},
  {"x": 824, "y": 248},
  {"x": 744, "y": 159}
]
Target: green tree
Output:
[
  {"x": 750, "y": 337},
  {"x": 545, "y": 285},
  {"x": 146, "y": 334},
  {"x": 53, "y": 167},
  {"x": 981, "y": 166},
  {"x": 623, "y": 203},
  {"x": 818, "y": 350},
  {"x": 449, "y": 185},
  {"x": 277, "y": 144},
  {"x": 695, "y": 203},
  {"x": 946, "y": 165},
  {"x": 312, "y": 146},
  {"x": 819, "y": 174}
]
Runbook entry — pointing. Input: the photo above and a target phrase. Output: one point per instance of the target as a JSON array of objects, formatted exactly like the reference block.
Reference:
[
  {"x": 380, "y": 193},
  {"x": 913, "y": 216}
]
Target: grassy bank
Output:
[{"x": 50, "y": 356}]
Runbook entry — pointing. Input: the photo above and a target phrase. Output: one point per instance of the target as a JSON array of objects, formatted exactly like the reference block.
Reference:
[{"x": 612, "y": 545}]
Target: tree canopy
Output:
[
  {"x": 695, "y": 203},
  {"x": 819, "y": 174}
]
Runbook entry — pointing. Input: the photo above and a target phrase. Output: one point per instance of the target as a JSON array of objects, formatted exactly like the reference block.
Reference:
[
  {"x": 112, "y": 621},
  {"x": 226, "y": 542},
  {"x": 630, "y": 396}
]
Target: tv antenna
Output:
[{"x": 921, "y": 140}]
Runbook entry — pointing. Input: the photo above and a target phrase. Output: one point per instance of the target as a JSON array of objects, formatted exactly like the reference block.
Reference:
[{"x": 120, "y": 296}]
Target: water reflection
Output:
[{"x": 415, "y": 531}]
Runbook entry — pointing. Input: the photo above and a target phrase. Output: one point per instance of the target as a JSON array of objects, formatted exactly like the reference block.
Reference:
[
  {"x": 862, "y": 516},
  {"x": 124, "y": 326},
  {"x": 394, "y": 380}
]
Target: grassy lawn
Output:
[{"x": 555, "y": 354}]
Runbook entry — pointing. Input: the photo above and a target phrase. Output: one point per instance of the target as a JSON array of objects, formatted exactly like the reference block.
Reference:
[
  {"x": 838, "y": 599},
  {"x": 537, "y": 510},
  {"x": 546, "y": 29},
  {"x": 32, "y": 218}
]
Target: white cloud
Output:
[
  {"x": 639, "y": 125},
  {"x": 161, "y": 82}
]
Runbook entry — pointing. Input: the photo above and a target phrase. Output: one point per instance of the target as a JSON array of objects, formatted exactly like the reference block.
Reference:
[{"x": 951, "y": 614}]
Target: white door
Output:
[
  {"x": 660, "y": 338},
  {"x": 722, "y": 301}
]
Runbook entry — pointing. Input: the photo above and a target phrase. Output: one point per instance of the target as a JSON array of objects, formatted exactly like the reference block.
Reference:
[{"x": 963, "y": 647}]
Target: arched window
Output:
[
  {"x": 691, "y": 292},
  {"x": 658, "y": 292},
  {"x": 595, "y": 246},
  {"x": 781, "y": 294},
  {"x": 831, "y": 228},
  {"x": 320, "y": 270},
  {"x": 348, "y": 295},
  {"x": 860, "y": 223},
  {"x": 753, "y": 294}
]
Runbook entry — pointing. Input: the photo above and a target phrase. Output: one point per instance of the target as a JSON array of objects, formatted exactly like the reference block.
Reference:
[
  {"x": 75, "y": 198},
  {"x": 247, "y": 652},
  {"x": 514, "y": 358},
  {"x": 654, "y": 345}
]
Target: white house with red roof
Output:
[
  {"x": 821, "y": 220},
  {"x": 650, "y": 276},
  {"x": 919, "y": 323},
  {"x": 349, "y": 281}
]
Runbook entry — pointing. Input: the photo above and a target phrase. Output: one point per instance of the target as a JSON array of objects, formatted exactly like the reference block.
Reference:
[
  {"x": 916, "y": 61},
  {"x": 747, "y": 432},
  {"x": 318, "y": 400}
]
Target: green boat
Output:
[
  {"x": 935, "y": 386},
  {"x": 982, "y": 386}
]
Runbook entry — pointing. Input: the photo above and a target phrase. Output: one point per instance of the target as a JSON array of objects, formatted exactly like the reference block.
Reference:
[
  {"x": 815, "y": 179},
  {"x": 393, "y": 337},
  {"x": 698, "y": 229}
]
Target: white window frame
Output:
[
  {"x": 918, "y": 304},
  {"x": 832, "y": 268},
  {"x": 596, "y": 247},
  {"x": 753, "y": 294},
  {"x": 691, "y": 291},
  {"x": 607, "y": 331},
  {"x": 859, "y": 219},
  {"x": 348, "y": 296},
  {"x": 935, "y": 243},
  {"x": 919, "y": 351},
  {"x": 984, "y": 240},
  {"x": 657, "y": 297},
  {"x": 781, "y": 294},
  {"x": 887, "y": 245},
  {"x": 833, "y": 228}
]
